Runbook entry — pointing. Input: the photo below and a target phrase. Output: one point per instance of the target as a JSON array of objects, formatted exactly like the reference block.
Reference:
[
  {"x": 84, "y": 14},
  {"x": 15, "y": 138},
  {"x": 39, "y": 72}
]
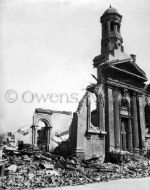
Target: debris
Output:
[
  {"x": 36, "y": 169},
  {"x": 52, "y": 172},
  {"x": 12, "y": 168}
]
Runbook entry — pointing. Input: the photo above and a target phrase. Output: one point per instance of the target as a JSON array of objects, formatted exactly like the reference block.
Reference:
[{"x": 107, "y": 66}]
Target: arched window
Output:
[
  {"x": 112, "y": 26},
  {"x": 118, "y": 28},
  {"x": 94, "y": 111}
]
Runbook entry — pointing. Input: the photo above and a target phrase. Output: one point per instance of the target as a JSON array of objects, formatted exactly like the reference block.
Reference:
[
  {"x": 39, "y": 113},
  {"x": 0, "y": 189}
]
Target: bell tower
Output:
[{"x": 111, "y": 36}]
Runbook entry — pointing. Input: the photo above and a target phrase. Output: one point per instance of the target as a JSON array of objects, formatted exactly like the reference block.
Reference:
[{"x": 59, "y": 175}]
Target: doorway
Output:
[
  {"x": 43, "y": 136},
  {"x": 124, "y": 134}
]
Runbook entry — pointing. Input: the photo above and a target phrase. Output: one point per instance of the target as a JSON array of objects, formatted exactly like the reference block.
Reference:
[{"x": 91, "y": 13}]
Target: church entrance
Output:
[{"x": 124, "y": 134}]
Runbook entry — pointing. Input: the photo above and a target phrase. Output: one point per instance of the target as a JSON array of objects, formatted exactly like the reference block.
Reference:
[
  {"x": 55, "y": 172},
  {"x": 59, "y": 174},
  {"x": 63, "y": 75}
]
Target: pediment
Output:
[{"x": 131, "y": 69}]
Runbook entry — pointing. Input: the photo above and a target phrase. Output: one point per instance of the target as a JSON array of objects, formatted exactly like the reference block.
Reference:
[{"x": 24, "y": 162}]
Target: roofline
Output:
[
  {"x": 138, "y": 68},
  {"x": 116, "y": 61},
  {"x": 143, "y": 78}
]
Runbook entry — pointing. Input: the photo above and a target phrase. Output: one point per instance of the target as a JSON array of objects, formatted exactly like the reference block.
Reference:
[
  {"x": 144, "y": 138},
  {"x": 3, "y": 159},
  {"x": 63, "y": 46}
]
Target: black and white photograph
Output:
[{"x": 74, "y": 94}]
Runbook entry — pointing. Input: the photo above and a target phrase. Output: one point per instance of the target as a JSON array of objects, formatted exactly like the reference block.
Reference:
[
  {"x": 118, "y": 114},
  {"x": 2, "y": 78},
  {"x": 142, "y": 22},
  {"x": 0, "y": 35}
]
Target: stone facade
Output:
[
  {"x": 119, "y": 121},
  {"x": 114, "y": 114}
]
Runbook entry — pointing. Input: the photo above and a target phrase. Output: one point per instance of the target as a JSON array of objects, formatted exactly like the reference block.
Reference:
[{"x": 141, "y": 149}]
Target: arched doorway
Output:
[{"x": 41, "y": 131}]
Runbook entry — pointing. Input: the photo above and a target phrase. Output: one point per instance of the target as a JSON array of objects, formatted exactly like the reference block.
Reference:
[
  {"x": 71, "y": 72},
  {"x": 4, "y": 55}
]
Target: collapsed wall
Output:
[{"x": 87, "y": 133}]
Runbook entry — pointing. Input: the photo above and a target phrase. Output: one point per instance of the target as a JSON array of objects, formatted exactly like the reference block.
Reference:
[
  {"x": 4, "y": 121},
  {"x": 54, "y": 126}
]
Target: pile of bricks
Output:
[{"x": 41, "y": 170}]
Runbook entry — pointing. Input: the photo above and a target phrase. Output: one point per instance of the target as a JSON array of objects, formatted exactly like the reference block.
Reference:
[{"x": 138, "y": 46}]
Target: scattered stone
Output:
[{"x": 38, "y": 170}]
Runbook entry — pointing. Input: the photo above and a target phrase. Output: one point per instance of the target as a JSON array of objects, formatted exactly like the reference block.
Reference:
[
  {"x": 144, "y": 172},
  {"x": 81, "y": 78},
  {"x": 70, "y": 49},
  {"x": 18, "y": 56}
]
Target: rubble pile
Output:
[{"x": 39, "y": 170}]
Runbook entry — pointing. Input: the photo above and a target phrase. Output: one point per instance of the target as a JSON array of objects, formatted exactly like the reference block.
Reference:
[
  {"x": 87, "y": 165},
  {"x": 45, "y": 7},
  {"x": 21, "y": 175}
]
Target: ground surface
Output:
[{"x": 122, "y": 184}]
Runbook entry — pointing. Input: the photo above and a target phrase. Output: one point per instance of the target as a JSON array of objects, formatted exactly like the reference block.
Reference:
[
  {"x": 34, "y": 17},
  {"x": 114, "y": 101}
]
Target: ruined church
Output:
[{"x": 114, "y": 114}]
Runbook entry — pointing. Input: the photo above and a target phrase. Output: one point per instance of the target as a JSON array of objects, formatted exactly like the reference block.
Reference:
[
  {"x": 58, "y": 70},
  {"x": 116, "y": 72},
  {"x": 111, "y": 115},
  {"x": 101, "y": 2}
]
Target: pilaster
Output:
[
  {"x": 116, "y": 119},
  {"x": 111, "y": 119},
  {"x": 129, "y": 136}
]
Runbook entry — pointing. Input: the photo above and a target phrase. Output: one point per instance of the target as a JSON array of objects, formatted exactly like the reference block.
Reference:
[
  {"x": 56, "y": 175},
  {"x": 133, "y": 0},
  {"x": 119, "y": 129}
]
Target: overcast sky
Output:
[{"x": 47, "y": 47}]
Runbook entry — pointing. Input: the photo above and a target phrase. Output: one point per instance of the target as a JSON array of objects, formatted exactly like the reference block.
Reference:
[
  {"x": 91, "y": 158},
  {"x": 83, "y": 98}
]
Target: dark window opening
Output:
[
  {"x": 115, "y": 27},
  {"x": 94, "y": 118},
  {"x": 118, "y": 28},
  {"x": 112, "y": 26}
]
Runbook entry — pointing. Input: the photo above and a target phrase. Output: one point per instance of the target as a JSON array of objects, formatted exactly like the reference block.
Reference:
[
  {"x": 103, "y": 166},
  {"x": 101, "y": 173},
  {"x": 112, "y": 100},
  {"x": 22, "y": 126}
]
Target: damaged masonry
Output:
[
  {"x": 113, "y": 115},
  {"x": 111, "y": 124}
]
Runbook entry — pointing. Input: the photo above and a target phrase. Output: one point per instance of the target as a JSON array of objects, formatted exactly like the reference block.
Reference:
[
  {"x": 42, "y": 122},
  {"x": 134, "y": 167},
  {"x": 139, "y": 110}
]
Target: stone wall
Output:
[{"x": 86, "y": 139}]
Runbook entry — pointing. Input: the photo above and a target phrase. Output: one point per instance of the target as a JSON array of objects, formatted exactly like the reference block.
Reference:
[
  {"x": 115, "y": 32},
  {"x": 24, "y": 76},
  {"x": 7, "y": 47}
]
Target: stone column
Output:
[
  {"x": 142, "y": 121},
  {"x": 48, "y": 138},
  {"x": 135, "y": 122},
  {"x": 116, "y": 120},
  {"x": 111, "y": 119},
  {"x": 33, "y": 134}
]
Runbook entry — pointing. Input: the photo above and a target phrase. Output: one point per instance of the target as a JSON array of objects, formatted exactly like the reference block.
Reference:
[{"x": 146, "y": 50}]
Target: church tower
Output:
[
  {"x": 111, "y": 36},
  {"x": 112, "y": 41}
]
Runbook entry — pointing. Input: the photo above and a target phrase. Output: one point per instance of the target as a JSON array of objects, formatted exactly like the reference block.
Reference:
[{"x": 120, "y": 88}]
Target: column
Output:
[
  {"x": 116, "y": 120},
  {"x": 33, "y": 134},
  {"x": 110, "y": 119},
  {"x": 48, "y": 138},
  {"x": 142, "y": 121},
  {"x": 100, "y": 111},
  {"x": 135, "y": 122}
]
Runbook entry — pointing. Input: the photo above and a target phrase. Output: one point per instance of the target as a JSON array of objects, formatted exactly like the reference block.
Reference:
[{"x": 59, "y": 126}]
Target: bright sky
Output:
[{"x": 47, "y": 47}]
